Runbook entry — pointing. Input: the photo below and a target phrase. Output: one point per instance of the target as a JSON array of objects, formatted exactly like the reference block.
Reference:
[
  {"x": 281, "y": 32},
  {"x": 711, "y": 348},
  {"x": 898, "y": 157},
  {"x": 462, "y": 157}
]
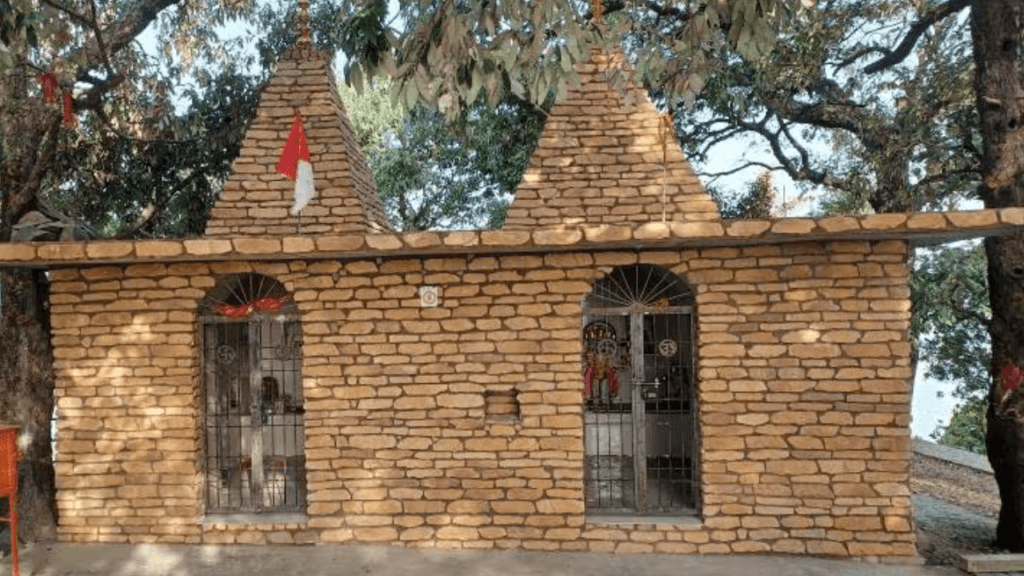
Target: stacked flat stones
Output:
[
  {"x": 607, "y": 156},
  {"x": 256, "y": 199}
]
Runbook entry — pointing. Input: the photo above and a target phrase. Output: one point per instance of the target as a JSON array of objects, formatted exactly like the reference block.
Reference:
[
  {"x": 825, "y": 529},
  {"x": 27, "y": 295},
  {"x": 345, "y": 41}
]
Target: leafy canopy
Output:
[
  {"x": 951, "y": 314},
  {"x": 870, "y": 99},
  {"x": 444, "y": 54},
  {"x": 433, "y": 172}
]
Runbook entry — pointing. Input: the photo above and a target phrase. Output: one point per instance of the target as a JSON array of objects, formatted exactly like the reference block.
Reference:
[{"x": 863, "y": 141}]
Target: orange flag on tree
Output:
[{"x": 294, "y": 165}]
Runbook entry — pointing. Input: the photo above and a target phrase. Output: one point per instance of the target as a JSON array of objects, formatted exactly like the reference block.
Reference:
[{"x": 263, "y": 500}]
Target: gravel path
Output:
[
  {"x": 955, "y": 510},
  {"x": 963, "y": 486},
  {"x": 944, "y": 530}
]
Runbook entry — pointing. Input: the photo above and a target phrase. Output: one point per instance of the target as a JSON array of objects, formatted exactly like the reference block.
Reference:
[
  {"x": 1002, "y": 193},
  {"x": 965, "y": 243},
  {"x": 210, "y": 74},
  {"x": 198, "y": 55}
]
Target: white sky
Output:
[{"x": 928, "y": 410}]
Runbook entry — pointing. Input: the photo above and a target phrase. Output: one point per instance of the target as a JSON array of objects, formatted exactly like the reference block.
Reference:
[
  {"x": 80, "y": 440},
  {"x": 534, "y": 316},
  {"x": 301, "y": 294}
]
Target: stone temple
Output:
[{"x": 616, "y": 369}]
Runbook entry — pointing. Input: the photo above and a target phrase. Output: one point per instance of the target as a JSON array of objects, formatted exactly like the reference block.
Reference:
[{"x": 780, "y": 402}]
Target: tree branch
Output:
[
  {"x": 672, "y": 11},
  {"x": 71, "y": 13},
  {"x": 805, "y": 157},
  {"x": 898, "y": 54},
  {"x": 44, "y": 159},
  {"x": 749, "y": 164},
  {"x": 117, "y": 35},
  {"x": 660, "y": 10},
  {"x": 121, "y": 33},
  {"x": 858, "y": 55},
  {"x": 154, "y": 209},
  {"x": 99, "y": 39},
  {"x": 945, "y": 174},
  {"x": 801, "y": 172},
  {"x": 112, "y": 39},
  {"x": 963, "y": 313},
  {"x": 92, "y": 99},
  {"x": 710, "y": 137}
]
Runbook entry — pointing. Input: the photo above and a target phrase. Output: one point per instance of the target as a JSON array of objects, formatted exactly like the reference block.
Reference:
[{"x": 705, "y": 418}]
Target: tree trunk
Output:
[
  {"x": 1004, "y": 438},
  {"x": 29, "y": 138},
  {"x": 997, "y": 30},
  {"x": 27, "y": 399},
  {"x": 26, "y": 359},
  {"x": 26, "y": 372}
]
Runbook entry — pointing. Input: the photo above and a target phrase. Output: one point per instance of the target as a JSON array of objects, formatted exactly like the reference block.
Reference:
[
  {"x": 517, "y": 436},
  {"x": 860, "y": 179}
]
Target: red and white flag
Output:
[{"x": 294, "y": 164}]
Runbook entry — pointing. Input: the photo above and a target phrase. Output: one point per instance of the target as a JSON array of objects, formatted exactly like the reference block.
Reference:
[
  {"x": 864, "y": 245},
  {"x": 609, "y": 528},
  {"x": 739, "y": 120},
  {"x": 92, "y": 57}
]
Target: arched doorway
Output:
[
  {"x": 251, "y": 342},
  {"x": 640, "y": 413}
]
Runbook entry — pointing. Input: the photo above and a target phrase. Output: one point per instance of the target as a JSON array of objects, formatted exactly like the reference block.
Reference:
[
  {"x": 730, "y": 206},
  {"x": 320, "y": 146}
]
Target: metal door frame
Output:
[
  {"x": 253, "y": 327},
  {"x": 635, "y": 314}
]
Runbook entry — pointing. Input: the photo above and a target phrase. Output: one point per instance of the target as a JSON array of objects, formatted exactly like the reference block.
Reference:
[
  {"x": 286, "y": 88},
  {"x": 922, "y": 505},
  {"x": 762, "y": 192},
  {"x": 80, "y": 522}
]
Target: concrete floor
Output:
[{"x": 165, "y": 560}]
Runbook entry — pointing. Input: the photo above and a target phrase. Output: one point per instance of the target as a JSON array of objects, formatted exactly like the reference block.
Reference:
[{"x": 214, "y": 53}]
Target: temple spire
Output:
[
  {"x": 257, "y": 197},
  {"x": 576, "y": 174}
]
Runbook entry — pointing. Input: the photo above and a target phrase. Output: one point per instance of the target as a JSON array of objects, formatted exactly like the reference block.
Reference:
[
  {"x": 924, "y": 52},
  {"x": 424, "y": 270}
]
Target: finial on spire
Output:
[
  {"x": 597, "y": 11},
  {"x": 304, "y": 20}
]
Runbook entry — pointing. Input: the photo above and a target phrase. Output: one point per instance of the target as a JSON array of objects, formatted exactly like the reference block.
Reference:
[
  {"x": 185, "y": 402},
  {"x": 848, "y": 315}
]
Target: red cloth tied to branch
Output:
[
  {"x": 1011, "y": 377},
  {"x": 49, "y": 83},
  {"x": 69, "y": 109}
]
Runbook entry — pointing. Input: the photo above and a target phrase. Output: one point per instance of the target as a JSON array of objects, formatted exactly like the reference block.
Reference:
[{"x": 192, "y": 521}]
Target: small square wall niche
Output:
[{"x": 501, "y": 405}]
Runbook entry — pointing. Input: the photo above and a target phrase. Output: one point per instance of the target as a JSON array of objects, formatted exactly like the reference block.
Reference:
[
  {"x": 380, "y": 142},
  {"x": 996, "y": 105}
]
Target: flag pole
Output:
[
  {"x": 303, "y": 39},
  {"x": 304, "y": 20}
]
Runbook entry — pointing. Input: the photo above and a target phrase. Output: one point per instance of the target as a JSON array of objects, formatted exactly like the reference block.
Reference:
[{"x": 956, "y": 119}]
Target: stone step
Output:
[{"x": 991, "y": 563}]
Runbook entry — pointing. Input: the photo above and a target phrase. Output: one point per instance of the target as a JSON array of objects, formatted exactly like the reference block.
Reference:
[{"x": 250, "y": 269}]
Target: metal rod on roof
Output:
[
  {"x": 666, "y": 130},
  {"x": 304, "y": 21}
]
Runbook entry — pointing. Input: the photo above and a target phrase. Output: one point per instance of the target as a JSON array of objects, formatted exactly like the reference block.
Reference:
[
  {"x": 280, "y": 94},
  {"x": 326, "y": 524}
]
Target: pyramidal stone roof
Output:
[
  {"x": 606, "y": 156},
  {"x": 256, "y": 199}
]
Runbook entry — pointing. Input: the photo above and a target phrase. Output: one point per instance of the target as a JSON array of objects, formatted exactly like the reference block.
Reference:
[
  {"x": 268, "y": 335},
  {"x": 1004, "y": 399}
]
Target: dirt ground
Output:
[{"x": 955, "y": 510}]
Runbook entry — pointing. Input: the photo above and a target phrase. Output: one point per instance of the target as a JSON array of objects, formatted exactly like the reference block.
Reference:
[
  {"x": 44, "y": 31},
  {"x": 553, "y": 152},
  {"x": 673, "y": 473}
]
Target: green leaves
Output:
[
  {"x": 354, "y": 77},
  {"x": 903, "y": 140},
  {"x": 531, "y": 48},
  {"x": 966, "y": 428},
  {"x": 18, "y": 22},
  {"x": 949, "y": 291},
  {"x": 436, "y": 173},
  {"x": 160, "y": 185},
  {"x": 375, "y": 118}
]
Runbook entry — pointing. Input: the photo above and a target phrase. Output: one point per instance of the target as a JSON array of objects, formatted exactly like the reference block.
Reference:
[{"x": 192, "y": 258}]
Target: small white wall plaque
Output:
[{"x": 429, "y": 296}]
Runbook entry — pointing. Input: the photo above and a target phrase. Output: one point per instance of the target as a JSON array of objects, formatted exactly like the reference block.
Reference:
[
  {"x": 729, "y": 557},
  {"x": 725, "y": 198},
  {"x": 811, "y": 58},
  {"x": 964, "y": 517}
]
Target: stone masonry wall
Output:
[{"x": 803, "y": 382}]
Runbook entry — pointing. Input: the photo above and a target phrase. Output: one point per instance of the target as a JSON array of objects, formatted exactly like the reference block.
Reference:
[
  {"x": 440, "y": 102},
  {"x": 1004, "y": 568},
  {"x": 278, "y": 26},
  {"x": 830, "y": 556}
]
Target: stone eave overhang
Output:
[{"x": 920, "y": 229}]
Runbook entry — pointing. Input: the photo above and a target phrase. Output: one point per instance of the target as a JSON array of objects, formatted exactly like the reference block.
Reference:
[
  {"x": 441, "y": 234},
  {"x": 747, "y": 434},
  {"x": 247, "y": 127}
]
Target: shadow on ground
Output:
[{"x": 155, "y": 560}]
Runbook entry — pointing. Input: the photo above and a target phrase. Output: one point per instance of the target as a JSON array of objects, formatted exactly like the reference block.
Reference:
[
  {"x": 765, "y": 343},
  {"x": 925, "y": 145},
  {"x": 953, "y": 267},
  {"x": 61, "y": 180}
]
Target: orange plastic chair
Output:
[{"x": 9, "y": 487}]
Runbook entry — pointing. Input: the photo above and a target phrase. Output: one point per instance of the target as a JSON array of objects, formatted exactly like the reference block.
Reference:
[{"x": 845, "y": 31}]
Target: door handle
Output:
[{"x": 650, "y": 390}]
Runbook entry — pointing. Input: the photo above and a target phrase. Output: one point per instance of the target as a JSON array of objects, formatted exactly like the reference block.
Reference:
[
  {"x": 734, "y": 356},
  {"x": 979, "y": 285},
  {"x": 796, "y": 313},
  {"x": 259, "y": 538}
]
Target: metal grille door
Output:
[
  {"x": 254, "y": 411},
  {"x": 639, "y": 414}
]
